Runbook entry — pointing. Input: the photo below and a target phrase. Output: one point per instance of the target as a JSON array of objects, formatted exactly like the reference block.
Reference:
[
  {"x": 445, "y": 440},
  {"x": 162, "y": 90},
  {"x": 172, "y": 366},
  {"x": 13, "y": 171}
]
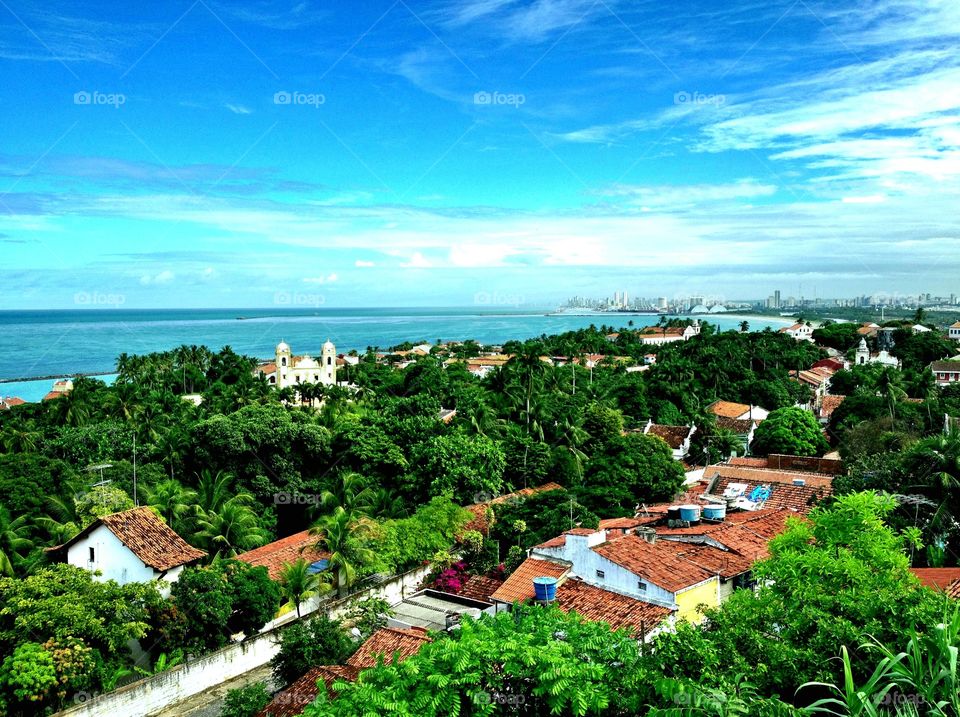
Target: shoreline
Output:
[{"x": 56, "y": 377}]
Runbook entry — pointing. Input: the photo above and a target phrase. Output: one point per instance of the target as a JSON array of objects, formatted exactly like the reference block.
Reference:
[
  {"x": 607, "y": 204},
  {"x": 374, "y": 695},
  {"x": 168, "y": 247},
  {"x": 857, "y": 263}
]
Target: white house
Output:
[
  {"x": 954, "y": 331},
  {"x": 657, "y": 335},
  {"x": 677, "y": 437},
  {"x": 946, "y": 372},
  {"x": 799, "y": 331},
  {"x": 133, "y": 546},
  {"x": 864, "y": 356}
]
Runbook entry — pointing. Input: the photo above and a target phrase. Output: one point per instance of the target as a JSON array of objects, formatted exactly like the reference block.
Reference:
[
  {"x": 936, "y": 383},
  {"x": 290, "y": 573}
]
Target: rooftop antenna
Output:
[
  {"x": 136, "y": 500},
  {"x": 100, "y": 467}
]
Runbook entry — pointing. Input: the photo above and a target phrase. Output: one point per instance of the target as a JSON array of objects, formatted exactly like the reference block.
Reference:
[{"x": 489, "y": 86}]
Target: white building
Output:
[
  {"x": 656, "y": 335},
  {"x": 954, "y": 331},
  {"x": 800, "y": 332},
  {"x": 292, "y": 370},
  {"x": 864, "y": 356},
  {"x": 133, "y": 546}
]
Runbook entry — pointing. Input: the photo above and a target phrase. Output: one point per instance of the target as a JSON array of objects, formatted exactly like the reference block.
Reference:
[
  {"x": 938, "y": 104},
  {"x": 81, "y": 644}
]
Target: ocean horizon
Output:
[{"x": 59, "y": 343}]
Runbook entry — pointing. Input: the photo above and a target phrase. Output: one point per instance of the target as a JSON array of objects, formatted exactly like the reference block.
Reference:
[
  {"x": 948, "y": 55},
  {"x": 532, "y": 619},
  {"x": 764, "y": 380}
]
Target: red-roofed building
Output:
[
  {"x": 273, "y": 556},
  {"x": 519, "y": 586},
  {"x": 677, "y": 437},
  {"x": 481, "y": 520},
  {"x": 10, "y": 402},
  {"x": 942, "y": 579},
  {"x": 643, "y": 619}
]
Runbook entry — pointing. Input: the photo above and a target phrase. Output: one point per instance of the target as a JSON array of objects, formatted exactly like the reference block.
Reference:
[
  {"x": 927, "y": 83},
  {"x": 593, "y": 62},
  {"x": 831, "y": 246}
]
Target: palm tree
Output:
[
  {"x": 889, "y": 385},
  {"x": 351, "y": 493},
  {"x": 13, "y": 541},
  {"x": 232, "y": 529},
  {"x": 298, "y": 584},
  {"x": 531, "y": 367},
  {"x": 172, "y": 500},
  {"x": 213, "y": 490},
  {"x": 744, "y": 327},
  {"x": 20, "y": 438},
  {"x": 344, "y": 537}
]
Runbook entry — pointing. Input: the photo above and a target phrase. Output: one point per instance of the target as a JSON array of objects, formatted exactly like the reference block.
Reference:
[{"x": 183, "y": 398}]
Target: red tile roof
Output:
[
  {"x": 728, "y": 409},
  {"x": 268, "y": 368},
  {"x": 768, "y": 475},
  {"x": 620, "y": 523},
  {"x": 829, "y": 404},
  {"x": 145, "y": 534},
  {"x": 390, "y": 642},
  {"x": 273, "y": 556},
  {"x": 658, "y": 562},
  {"x": 618, "y": 611},
  {"x": 480, "y": 587},
  {"x": 673, "y": 435},
  {"x": 293, "y": 700},
  {"x": 782, "y": 494},
  {"x": 10, "y": 402},
  {"x": 519, "y": 586},
  {"x": 937, "y": 578},
  {"x": 747, "y": 462},
  {"x": 725, "y": 563},
  {"x": 741, "y": 426}
]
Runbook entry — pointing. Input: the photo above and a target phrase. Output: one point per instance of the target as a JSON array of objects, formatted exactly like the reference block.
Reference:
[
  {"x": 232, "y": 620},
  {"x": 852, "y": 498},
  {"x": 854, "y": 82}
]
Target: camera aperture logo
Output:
[
  {"x": 499, "y": 98},
  {"x": 299, "y": 99},
  {"x": 99, "y": 99},
  {"x": 699, "y": 99}
]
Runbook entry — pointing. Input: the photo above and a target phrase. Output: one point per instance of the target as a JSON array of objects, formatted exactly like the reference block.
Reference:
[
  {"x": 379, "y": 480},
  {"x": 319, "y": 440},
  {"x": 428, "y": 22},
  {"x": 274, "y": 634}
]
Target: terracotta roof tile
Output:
[
  {"x": 148, "y": 537},
  {"x": 937, "y": 578},
  {"x": 953, "y": 589},
  {"x": 10, "y": 402},
  {"x": 728, "y": 409},
  {"x": 293, "y": 700},
  {"x": 747, "y": 462},
  {"x": 674, "y": 436},
  {"x": 389, "y": 642},
  {"x": 273, "y": 556},
  {"x": 768, "y": 475},
  {"x": 740, "y": 426},
  {"x": 658, "y": 562},
  {"x": 782, "y": 494},
  {"x": 519, "y": 586},
  {"x": 480, "y": 587},
  {"x": 618, "y": 611},
  {"x": 725, "y": 563},
  {"x": 619, "y": 523},
  {"x": 829, "y": 405}
]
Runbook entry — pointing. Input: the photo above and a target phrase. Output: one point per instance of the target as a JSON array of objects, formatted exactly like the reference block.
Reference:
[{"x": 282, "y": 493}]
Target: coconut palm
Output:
[
  {"x": 345, "y": 538},
  {"x": 351, "y": 492},
  {"x": 232, "y": 529},
  {"x": 889, "y": 384},
  {"x": 13, "y": 541},
  {"x": 213, "y": 490},
  {"x": 298, "y": 584},
  {"x": 172, "y": 500}
]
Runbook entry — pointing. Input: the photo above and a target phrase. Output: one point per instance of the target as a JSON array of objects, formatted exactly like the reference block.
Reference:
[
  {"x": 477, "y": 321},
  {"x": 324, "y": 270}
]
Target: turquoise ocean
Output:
[{"x": 52, "y": 344}]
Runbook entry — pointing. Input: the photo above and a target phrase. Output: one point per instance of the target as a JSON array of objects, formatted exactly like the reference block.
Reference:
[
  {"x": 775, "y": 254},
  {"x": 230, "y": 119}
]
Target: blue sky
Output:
[{"x": 419, "y": 153}]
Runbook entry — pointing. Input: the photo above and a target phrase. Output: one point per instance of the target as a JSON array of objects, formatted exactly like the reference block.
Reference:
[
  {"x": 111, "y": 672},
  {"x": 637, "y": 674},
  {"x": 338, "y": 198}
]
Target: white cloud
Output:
[
  {"x": 417, "y": 261},
  {"x": 363, "y": 264},
  {"x": 328, "y": 279},
  {"x": 164, "y": 277},
  {"x": 238, "y": 109}
]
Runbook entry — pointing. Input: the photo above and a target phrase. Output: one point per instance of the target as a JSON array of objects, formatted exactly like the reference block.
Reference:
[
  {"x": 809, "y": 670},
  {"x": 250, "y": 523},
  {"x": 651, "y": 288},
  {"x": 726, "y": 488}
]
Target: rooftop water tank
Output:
[
  {"x": 714, "y": 512},
  {"x": 690, "y": 512},
  {"x": 673, "y": 512},
  {"x": 545, "y": 589}
]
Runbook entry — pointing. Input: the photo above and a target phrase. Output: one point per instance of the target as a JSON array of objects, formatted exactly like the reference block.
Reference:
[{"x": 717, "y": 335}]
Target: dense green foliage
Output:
[
  {"x": 315, "y": 641},
  {"x": 245, "y": 701}
]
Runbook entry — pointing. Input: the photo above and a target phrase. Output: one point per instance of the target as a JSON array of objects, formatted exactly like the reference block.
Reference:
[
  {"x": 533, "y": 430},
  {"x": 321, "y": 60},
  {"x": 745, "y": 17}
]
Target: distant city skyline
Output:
[{"x": 423, "y": 154}]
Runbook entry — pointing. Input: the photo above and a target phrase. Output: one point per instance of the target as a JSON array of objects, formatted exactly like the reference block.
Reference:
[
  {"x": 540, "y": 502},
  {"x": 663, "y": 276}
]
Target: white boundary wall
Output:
[{"x": 158, "y": 692}]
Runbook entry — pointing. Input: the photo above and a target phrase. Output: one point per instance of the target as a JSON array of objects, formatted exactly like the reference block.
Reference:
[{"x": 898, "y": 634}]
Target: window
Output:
[
  {"x": 283, "y": 361},
  {"x": 92, "y": 557},
  {"x": 600, "y": 574},
  {"x": 641, "y": 586},
  {"x": 329, "y": 360}
]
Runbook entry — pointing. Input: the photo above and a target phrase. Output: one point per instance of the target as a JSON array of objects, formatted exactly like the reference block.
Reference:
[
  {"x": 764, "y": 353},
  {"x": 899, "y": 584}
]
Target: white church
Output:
[{"x": 290, "y": 370}]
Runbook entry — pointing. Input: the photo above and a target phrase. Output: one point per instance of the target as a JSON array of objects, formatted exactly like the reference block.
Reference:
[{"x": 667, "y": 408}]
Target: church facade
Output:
[{"x": 292, "y": 370}]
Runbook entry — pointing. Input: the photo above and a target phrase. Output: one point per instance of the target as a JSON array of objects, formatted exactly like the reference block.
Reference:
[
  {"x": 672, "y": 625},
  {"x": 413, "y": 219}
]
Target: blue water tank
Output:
[
  {"x": 690, "y": 512},
  {"x": 714, "y": 512},
  {"x": 545, "y": 589}
]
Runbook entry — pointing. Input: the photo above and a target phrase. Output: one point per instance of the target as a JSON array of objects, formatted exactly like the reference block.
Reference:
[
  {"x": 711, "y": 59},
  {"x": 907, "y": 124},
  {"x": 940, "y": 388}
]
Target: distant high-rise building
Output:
[
  {"x": 776, "y": 299},
  {"x": 662, "y": 303}
]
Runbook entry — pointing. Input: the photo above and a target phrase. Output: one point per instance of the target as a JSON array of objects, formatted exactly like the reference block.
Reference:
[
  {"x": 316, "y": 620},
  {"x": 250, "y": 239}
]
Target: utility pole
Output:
[{"x": 136, "y": 500}]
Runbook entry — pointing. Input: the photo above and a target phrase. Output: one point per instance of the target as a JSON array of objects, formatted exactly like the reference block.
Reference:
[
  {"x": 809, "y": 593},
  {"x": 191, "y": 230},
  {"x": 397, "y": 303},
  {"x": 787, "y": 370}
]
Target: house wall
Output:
[
  {"x": 111, "y": 557},
  {"x": 586, "y": 563},
  {"x": 706, "y": 593}
]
